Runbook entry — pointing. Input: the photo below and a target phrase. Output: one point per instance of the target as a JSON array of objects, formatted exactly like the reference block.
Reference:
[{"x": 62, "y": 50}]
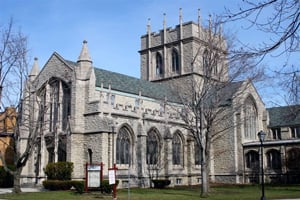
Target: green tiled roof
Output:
[
  {"x": 132, "y": 85},
  {"x": 158, "y": 91},
  {"x": 284, "y": 116}
]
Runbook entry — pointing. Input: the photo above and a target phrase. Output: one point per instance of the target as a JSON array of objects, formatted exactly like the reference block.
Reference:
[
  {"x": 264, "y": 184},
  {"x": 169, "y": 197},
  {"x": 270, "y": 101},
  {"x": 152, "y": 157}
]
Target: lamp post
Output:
[{"x": 261, "y": 135}]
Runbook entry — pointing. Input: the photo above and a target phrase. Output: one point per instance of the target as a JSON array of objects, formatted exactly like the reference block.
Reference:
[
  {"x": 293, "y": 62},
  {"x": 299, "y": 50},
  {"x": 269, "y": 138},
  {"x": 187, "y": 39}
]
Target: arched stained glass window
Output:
[
  {"x": 123, "y": 146},
  {"x": 250, "y": 119},
  {"x": 177, "y": 149},
  {"x": 153, "y": 149}
]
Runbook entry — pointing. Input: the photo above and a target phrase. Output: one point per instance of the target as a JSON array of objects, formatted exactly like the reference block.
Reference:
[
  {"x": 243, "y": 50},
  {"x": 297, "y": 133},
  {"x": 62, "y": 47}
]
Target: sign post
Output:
[{"x": 112, "y": 180}]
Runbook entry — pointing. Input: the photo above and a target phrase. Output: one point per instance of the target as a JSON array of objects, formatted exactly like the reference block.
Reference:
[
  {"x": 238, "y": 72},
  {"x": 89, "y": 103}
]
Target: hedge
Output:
[
  {"x": 160, "y": 184},
  {"x": 59, "y": 171},
  {"x": 64, "y": 185},
  {"x": 6, "y": 179},
  {"x": 106, "y": 188}
]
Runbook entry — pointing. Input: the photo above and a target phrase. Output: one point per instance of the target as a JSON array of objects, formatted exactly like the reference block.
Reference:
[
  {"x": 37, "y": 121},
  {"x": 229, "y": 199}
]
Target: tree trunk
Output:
[
  {"x": 17, "y": 183},
  {"x": 205, "y": 176}
]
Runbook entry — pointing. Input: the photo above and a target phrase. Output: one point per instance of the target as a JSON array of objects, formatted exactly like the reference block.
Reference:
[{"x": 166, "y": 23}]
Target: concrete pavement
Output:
[{"x": 25, "y": 189}]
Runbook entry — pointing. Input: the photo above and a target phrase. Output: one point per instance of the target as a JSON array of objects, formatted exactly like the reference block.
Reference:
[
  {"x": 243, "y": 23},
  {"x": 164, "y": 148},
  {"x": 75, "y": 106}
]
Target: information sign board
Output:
[
  {"x": 93, "y": 176},
  {"x": 111, "y": 176}
]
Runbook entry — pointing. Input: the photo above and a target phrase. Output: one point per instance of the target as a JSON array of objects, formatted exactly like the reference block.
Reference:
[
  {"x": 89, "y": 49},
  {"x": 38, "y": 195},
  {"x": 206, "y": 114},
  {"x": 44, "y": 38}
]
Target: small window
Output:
[
  {"x": 137, "y": 103},
  {"x": 112, "y": 99},
  {"x": 252, "y": 160},
  {"x": 159, "y": 64},
  {"x": 178, "y": 181},
  {"x": 274, "y": 159},
  {"x": 293, "y": 157},
  {"x": 175, "y": 61},
  {"x": 276, "y": 133},
  {"x": 295, "y": 132},
  {"x": 90, "y": 155}
]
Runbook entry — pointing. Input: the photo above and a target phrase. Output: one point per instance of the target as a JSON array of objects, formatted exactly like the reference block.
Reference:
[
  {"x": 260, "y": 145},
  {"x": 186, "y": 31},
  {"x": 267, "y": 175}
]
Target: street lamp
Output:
[{"x": 261, "y": 135}]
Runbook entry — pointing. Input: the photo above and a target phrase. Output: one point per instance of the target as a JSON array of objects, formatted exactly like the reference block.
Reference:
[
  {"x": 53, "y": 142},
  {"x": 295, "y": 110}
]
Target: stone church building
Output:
[{"x": 91, "y": 115}]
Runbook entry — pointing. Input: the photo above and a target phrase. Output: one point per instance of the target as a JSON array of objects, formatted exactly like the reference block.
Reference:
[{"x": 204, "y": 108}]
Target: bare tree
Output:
[
  {"x": 14, "y": 83},
  {"x": 281, "y": 25},
  {"x": 13, "y": 64},
  {"x": 208, "y": 94}
]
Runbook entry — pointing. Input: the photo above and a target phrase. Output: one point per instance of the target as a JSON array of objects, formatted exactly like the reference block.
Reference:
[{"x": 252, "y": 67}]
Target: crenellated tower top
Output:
[{"x": 179, "y": 51}]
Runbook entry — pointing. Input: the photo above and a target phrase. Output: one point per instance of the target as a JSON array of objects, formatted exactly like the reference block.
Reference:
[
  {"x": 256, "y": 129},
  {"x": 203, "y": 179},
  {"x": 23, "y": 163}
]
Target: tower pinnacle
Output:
[
  {"x": 35, "y": 69},
  {"x": 84, "y": 55}
]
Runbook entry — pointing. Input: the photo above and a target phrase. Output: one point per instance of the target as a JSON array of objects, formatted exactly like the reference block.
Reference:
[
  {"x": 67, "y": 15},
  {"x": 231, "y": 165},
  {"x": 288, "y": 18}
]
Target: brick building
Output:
[{"x": 7, "y": 125}]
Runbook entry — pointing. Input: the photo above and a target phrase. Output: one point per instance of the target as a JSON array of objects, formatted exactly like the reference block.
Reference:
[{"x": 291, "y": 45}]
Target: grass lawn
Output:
[{"x": 220, "y": 193}]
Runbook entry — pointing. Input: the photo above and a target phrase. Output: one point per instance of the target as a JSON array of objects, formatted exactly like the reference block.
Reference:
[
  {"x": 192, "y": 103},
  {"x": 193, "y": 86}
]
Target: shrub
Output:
[
  {"x": 6, "y": 179},
  {"x": 59, "y": 171},
  {"x": 106, "y": 188},
  {"x": 79, "y": 186},
  {"x": 160, "y": 184},
  {"x": 57, "y": 185}
]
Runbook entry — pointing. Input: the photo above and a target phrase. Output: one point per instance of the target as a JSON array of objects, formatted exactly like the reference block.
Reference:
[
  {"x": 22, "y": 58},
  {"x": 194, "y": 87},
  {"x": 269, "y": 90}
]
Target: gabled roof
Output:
[
  {"x": 228, "y": 91},
  {"x": 155, "y": 90},
  {"x": 284, "y": 116}
]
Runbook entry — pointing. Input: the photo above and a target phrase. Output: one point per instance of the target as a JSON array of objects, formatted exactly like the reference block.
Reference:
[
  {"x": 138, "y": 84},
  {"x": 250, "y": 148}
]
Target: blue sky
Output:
[{"x": 111, "y": 27}]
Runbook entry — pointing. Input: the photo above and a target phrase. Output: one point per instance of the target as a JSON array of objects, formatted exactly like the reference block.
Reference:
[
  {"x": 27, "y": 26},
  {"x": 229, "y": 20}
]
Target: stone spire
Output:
[
  {"x": 35, "y": 70},
  {"x": 84, "y": 55},
  {"x": 84, "y": 63}
]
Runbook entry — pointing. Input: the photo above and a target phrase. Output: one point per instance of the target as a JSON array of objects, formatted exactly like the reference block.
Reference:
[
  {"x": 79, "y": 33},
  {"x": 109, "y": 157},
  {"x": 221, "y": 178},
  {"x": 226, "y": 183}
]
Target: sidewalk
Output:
[{"x": 25, "y": 189}]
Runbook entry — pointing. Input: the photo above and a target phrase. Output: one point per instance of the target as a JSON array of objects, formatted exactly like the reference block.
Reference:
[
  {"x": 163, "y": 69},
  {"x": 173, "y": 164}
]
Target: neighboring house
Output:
[
  {"x": 94, "y": 115},
  {"x": 281, "y": 148},
  {"x": 7, "y": 125}
]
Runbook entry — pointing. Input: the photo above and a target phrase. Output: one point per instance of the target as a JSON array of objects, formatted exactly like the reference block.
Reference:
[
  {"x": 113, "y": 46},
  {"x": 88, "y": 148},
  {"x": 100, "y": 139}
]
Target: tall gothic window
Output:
[
  {"x": 62, "y": 148},
  {"x": 123, "y": 146},
  {"x": 153, "y": 148},
  {"x": 205, "y": 61},
  {"x": 54, "y": 104},
  {"x": 57, "y": 97},
  {"x": 66, "y": 103},
  {"x": 215, "y": 64},
  {"x": 273, "y": 159},
  {"x": 159, "y": 64},
  {"x": 252, "y": 160},
  {"x": 250, "y": 120},
  {"x": 177, "y": 149},
  {"x": 175, "y": 61},
  {"x": 197, "y": 153}
]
